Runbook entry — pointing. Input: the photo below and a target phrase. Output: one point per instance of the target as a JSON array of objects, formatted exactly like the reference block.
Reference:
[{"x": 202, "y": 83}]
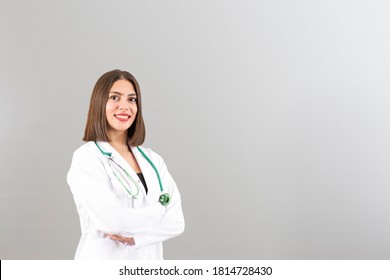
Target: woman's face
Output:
[{"x": 121, "y": 107}]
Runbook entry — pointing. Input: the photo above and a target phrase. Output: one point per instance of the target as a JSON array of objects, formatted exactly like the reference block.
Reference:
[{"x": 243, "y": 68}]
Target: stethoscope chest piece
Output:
[{"x": 164, "y": 199}]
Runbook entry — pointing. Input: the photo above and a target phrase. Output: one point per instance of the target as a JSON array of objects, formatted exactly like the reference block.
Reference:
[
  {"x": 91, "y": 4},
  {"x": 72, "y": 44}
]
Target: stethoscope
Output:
[{"x": 164, "y": 198}]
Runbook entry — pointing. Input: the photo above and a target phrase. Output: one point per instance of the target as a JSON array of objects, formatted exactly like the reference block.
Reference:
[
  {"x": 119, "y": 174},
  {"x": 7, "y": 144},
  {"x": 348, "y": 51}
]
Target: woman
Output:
[{"x": 127, "y": 201}]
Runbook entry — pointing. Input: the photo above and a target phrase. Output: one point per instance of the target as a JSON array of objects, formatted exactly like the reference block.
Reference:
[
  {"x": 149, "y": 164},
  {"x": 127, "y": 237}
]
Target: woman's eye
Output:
[
  {"x": 114, "y": 97},
  {"x": 133, "y": 99}
]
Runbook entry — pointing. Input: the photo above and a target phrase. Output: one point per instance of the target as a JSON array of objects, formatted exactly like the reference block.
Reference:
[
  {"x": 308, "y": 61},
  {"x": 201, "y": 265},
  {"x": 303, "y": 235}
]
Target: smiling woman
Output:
[
  {"x": 121, "y": 107},
  {"x": 127, "y": 201},
  {"x": 113, "y": 86}
]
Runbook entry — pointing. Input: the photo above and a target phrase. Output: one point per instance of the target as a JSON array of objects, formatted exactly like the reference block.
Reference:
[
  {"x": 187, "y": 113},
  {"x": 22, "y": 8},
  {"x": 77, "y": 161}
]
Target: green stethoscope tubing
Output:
[{"x": 164, "y": 198}]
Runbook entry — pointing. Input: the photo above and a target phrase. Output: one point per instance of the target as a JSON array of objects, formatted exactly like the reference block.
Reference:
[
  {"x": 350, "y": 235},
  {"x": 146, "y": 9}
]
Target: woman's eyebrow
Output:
[{"x": 117, "y": 92}]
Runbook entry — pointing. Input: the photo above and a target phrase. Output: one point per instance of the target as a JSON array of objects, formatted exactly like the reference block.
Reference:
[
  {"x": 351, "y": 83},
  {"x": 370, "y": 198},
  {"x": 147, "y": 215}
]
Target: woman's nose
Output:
[{"x": 124, "y": 106}]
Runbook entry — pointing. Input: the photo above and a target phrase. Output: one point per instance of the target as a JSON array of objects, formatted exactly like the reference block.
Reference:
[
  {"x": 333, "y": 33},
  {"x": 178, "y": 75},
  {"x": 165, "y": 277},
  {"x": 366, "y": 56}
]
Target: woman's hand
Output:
[{"x": 127, "y": 240}]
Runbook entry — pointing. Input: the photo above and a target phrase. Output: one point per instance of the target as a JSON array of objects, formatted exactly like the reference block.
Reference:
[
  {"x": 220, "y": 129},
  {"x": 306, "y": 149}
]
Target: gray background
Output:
[{"x": 273, "y": 118}]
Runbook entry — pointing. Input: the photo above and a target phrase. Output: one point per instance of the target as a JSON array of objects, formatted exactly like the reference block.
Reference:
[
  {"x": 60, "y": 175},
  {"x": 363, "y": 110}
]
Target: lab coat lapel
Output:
[
  {"x": 148, "y": 172},
  {"x": 122, "y": 162}
]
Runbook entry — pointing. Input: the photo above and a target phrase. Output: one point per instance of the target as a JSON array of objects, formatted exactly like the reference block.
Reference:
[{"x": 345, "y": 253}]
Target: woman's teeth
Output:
[{"x": 122, "y": 117}]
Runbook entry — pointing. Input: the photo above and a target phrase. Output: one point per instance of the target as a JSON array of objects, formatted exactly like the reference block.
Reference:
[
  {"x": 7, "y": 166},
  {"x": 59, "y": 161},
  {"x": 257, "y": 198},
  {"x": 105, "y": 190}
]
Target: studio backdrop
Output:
[{"x": 272, "y": 116}]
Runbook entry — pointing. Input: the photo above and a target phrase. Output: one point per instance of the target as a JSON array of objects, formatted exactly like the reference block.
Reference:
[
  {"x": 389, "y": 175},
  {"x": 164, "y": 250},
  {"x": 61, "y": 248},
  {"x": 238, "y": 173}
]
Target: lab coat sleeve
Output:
[
  {"x": 172, "y": 223},
  {"x": 90, "y": 186}
]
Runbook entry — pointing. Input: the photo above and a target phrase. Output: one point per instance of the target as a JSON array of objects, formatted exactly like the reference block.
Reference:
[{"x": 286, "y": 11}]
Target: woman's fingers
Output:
[{"x": 127, "y": 240}]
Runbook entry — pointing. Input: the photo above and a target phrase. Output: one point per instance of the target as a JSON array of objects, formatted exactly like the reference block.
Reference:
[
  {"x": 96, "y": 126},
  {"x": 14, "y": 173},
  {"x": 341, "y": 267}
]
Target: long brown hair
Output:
[{"x": 96, "y": 127}]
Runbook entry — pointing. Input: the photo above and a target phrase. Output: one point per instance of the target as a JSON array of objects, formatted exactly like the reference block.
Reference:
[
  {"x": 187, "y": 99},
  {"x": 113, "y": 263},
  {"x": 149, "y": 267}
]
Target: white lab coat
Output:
[{"x": 105, "y": 207}]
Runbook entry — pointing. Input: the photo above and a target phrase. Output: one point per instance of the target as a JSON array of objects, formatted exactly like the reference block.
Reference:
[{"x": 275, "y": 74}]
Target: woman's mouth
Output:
[{"x": 122, "y": 117}]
